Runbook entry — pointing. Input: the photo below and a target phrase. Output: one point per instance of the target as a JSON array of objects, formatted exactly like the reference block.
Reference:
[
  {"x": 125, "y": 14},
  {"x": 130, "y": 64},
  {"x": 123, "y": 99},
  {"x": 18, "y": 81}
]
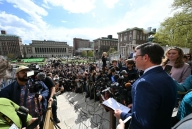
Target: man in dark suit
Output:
[{"x": 154, "y": 94}]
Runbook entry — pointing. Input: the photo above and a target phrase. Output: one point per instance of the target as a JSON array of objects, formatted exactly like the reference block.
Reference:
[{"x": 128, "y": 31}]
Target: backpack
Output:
[{"x": 185, "y": 123}]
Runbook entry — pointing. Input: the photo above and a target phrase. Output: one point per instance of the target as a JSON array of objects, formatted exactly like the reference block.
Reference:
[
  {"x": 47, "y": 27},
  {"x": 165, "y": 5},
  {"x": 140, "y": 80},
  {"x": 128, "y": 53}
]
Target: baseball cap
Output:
[{"x": 22, "y": 68}]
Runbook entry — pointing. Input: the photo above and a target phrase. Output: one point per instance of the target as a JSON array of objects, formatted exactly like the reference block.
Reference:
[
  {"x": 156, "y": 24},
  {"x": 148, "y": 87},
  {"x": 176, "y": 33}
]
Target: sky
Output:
[{"x": 63, "y": 20}]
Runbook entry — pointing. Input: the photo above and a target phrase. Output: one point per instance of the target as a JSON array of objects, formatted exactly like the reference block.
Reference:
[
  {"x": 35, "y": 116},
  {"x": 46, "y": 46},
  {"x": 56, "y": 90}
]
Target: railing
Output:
[{"x": 48, "y": 124}]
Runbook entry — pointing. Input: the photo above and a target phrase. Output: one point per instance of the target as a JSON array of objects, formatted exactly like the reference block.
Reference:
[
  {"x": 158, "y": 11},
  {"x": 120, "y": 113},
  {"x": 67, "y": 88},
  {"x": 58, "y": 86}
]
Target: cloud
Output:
[
  {"x": 34, "y": 28},
  {"x": 34, "y": 11},
  {"x": 29, "y": 7},
  {"x": 63, "y": 21},
  {"x": 93, "y": 14},
  {"x": 110, "y": 3},
  {"x": 29, "y": 31},
  {"x": 46, "y": 6},
  {"x": 73, "y": 6},
  {"x": 147, "y": 15},
  {"x": 1, "y": 1},
  {"x": 11, "y": 21}
]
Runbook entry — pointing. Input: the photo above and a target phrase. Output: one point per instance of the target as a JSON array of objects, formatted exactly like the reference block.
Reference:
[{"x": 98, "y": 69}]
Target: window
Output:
[
  {"x": 137, "y": 37},
  {"x": 125, "y": 37},
  {"x": 130, "y": 38},
  {"x": 121, "y": 37},
  {"x": 143, "y": 37}
]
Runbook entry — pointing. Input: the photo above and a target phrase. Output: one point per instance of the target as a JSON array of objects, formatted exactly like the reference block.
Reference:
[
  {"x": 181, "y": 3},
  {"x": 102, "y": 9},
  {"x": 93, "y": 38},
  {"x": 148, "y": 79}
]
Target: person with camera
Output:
[
  {"x": 154, "y": 94},
  {"x": 104, "y": 60},
  {"x": 59, "y": 86},
  {"x": 10, "y": 113},
  {"x": 114, "y": 65},
  {"x": 21, "y": 92},
  {"x": 131, "y": 70},
  {"x": 51, "y": 97}
]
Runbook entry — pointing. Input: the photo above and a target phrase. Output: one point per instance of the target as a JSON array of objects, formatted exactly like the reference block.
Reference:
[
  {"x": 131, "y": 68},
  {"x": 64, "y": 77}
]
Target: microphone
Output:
[
  {"x": 107, "y": 89},
  {"x": 127, "y": 119},
  {"x": 128, "y": 84}
]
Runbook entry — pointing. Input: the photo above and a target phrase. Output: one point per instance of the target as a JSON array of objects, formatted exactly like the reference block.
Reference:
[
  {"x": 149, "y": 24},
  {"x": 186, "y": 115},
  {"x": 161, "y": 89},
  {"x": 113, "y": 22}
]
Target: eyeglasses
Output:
[{"x": 137, "y": 56}]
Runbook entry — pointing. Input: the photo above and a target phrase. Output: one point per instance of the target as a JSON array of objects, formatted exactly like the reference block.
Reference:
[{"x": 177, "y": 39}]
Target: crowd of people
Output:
[{"x": 148, "y": 83}]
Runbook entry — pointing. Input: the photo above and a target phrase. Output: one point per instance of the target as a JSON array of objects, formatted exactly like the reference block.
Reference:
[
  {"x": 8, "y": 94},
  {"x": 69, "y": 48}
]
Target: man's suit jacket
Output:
[{"x": 154, "y": 96}]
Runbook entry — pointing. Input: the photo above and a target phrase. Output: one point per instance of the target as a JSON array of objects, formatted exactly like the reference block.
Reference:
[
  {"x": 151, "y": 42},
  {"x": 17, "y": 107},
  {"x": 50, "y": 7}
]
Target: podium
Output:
[{"x": 112, "y": 124}]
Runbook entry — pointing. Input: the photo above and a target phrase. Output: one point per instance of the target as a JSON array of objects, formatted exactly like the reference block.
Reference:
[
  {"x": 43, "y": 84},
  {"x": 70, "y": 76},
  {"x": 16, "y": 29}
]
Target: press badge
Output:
[{"x": 13, "y": 126}]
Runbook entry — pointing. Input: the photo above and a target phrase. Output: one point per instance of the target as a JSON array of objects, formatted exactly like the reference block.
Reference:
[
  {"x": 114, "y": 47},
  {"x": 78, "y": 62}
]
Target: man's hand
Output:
[
  {"x": 130, "y": 105},
  {"x": 50, "y": 99},
  {"x": 40, "y": 98},
  {"x": 117, "y": 113},
  {"x": 31, "y": 121},
  {"x": 121, "y": 124}
]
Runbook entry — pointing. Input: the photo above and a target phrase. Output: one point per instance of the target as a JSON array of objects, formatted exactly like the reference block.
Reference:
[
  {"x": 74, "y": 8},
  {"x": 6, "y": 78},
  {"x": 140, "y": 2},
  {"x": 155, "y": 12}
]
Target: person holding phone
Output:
[{"x": 174, "y": 64}]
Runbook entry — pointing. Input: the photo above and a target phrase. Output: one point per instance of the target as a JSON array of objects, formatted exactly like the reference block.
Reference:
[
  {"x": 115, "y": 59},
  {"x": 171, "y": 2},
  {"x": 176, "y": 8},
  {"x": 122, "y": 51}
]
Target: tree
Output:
[
  {"x": 10, "y": 56},
  {"x": 185, "y": 5},
  {"x": 90, "y": 53},
  {"x": 111, "y": 50},
  {"x": 177, "y": 30},
  {"x": 83, "y": 53}
]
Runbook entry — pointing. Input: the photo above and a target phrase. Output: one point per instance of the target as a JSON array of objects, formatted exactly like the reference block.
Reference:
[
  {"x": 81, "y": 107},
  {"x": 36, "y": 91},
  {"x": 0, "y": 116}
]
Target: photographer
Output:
[
  {"x": 133, "y": 73},
  {"x": 9, "y": 110},
  {"x": 115, "y": 65},
  {"x": 51, "y": 86},
  {"x": 19, "y": 92},
  {"x": 59, "y": 86}
]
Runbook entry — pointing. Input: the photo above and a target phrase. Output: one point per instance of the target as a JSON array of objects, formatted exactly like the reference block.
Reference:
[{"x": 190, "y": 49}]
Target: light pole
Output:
[{"x": 96, "y": 54}]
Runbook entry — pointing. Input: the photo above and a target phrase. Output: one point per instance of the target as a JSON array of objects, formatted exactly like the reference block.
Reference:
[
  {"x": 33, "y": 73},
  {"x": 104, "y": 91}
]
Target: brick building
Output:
[
  {"x": 80, "y": 45},
  {"x": 132, "y": 37},
  {"x": 103, "y": 44},
  {"x": 10, "y": 44}
]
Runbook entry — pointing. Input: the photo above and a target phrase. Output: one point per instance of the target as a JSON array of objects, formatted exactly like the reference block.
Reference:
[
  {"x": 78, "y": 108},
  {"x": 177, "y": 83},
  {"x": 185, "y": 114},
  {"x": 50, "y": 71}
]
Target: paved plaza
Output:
[{"x": 76, "y": 112}]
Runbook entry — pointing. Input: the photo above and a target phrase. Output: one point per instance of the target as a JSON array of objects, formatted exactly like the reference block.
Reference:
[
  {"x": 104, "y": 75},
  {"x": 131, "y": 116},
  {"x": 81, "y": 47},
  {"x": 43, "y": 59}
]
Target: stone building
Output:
[
  {"x": 10, "y": 45},
  {"x": 103, "y": 44},
  {"x": 80, "y": 45},
  {"x": 47, "y": 48},
  {"x": 131, "y": 37}
]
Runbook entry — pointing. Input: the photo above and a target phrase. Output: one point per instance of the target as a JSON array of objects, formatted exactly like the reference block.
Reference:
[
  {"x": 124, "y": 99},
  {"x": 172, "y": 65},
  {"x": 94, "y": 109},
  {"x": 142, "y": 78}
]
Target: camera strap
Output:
[{"x": 25, "y": 96}]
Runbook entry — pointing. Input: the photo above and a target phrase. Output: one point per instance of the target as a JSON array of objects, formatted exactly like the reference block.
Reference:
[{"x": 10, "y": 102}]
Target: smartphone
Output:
[{"x": 168, "y": 69}]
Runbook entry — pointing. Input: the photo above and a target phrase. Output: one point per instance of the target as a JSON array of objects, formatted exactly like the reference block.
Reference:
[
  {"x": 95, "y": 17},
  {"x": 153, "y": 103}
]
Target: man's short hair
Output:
[
  {"x": 130, "y": 61},
  {"x": 41, "y": 76},
  {"x": 153, "y": 50},
  {"x": 49, "y": 74},
  {"x": 114, "y": 61}
]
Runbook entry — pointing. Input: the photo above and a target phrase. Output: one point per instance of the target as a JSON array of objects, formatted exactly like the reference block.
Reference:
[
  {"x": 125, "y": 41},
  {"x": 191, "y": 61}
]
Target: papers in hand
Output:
[{"x": 113, "y": 104}]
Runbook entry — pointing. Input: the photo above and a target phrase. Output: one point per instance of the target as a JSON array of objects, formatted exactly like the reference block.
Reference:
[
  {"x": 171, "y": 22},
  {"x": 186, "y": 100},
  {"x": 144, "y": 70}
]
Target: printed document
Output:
[{"x": 113, "y": 104}]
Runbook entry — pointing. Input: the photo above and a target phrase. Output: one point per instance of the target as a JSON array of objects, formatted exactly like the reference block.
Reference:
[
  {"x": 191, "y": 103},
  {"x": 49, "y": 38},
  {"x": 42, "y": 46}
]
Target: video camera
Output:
[
  {"x": 35, "y": 86},
  {"x": 117, "y": 90}
]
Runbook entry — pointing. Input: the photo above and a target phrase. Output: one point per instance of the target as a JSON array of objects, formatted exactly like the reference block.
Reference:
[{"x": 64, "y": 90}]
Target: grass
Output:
[
  {"x": 26, "y": 63},
  {"x": 31, "y": 60}
]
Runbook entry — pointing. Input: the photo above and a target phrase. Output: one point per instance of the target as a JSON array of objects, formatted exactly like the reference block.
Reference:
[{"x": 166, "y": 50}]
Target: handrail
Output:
[{"x": 48, "y": 124}]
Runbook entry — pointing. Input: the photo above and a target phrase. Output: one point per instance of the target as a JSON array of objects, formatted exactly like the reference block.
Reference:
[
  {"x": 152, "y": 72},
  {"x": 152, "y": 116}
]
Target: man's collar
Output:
[{"x": 151, "y": 68}]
